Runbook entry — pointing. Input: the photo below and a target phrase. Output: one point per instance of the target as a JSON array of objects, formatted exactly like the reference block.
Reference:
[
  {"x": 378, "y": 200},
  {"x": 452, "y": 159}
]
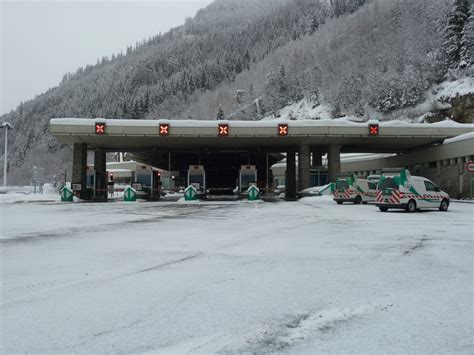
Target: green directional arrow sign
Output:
[
  {"x": 253, "y": 193},
  {"x": 66, "y": 194},
  {"x": 190, "y": 193},
  {"x": 129, "y": 194}
]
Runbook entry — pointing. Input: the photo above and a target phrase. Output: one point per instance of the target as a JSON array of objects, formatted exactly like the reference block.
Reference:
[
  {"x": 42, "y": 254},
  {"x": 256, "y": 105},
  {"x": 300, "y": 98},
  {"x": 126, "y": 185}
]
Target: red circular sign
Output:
[{"x": 470, "y": 166}]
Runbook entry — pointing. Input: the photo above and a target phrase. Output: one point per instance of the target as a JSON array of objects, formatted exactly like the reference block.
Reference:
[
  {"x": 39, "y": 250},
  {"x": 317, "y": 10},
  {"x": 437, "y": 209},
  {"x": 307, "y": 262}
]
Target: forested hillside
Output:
[{"x": 356, "y": 56}]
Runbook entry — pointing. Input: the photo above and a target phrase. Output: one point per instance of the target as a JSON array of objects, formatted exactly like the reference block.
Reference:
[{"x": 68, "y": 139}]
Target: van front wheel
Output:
[
  {"x": 383, "y": 209},
  {"x": 411, "y": 206},
  {"x": 444, "y": 205}
]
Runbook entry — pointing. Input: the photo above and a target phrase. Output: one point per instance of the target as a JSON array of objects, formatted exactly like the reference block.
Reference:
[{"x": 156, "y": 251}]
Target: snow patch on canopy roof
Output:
[{"x": 459, "y": 138}]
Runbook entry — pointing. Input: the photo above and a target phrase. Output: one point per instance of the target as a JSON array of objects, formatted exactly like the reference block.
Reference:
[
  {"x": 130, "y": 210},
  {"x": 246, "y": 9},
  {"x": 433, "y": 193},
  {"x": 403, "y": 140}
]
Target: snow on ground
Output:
[
  {"x": 300, "y": 277},
  {"x": 26, "y": 194}
]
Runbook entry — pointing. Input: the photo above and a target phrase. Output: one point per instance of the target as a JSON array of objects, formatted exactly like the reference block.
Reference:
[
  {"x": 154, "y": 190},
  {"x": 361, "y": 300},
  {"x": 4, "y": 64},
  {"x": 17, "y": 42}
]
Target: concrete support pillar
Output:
[
  {"x": 290, "y": 183},
  {"x": 79, "y": 168},
  {"x": 101, "y": 177},
  {"x": 260, "y": 161},
  {"x": 100, "y": 162},
  {"x": 317, "y": 159},
  {"x": 334, "y": 162},
  {"x": 304, "y": 161}
]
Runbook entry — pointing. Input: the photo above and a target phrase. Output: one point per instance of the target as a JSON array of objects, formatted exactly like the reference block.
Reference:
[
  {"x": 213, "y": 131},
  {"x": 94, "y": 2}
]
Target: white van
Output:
[
  {"x": 374, "y": 178},
  {"x": 350, "y": 188},
  {"x": 398, "y": 189}
]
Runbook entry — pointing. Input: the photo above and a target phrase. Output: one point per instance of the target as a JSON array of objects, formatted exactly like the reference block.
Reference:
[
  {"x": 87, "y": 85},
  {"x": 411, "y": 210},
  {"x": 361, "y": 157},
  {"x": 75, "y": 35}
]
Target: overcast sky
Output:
[{"x": 42, "y": 40}]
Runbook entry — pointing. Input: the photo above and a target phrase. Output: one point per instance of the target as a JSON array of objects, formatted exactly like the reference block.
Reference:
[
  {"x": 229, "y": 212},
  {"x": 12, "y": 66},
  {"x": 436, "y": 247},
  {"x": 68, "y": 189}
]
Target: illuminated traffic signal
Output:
[
  {"x": 164, "y": 129},
  {"x": 223, "y": 130},
  {"x": 373, "y": 129},
  {"x": 100, "y": 128},
  {"x": 282, "y": 129}
]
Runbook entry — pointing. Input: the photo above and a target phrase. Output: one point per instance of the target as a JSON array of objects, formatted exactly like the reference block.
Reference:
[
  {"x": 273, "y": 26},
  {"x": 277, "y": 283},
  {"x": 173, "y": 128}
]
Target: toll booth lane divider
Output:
[
  {"x": 67, "y": 195},
  {"x": 129, "y": 194},
  {"x": 253, "y": 193},
  {"x": 190, "y": 193}
]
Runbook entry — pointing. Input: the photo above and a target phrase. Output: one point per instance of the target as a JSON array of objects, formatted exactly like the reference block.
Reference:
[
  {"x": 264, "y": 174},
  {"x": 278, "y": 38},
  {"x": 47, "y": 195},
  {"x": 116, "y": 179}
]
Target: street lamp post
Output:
[{"x": 6, "y": 126}]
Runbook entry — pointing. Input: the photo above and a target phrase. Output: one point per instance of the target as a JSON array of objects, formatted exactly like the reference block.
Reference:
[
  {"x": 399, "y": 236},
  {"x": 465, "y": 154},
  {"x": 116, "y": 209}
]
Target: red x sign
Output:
[
  {"x": 100, "y": 128},
  {"x": 164, "y": 129},
  {"x": 373, "y": 129},
  {"x": 282, "y": 129},
  {"x": 223, "y": 130}
]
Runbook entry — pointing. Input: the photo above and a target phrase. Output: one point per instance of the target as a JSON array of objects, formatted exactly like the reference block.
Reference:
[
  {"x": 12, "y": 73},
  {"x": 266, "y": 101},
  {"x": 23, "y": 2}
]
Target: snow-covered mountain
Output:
[{"x": 248, "y": 59}]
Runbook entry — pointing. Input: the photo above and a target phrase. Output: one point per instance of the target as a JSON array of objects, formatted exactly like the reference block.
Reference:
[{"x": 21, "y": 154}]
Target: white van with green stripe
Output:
[
  {"x": 350, "y": 188},
  {"x": 398, "y": 189}
]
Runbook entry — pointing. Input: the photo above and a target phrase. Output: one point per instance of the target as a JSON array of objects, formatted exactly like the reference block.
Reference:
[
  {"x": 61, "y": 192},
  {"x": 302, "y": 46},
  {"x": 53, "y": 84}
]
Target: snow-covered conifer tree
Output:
[
  {"x": 314, "y": 24},
  {"x": 454, "y": 33},
  {"x": 220, "y": 114},
  {"x": 467, "y": 41}
]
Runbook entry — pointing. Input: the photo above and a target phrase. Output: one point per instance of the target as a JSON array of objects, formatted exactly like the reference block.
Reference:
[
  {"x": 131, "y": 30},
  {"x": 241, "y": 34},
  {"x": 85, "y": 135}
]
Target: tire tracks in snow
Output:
[
  {"x": 299, "y": 328},
  {"x": 100, "y": 280},
  {"x": 162, "y": 213},
  {"x": 279, "y": 337},
  {"x": 110, "y": 277}
]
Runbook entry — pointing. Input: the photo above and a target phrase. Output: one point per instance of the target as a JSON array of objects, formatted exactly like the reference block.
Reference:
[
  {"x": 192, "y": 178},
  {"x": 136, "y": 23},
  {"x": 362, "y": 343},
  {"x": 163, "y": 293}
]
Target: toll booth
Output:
[
  {"x": 197, "y": 177},
  {"x": 96, "y": 184},
  {"x": 247, "y": 177},
  {"x": 170, "y": 180},
  {"x": 122, "y": 177},
  {"x": 147, "y": 182}
]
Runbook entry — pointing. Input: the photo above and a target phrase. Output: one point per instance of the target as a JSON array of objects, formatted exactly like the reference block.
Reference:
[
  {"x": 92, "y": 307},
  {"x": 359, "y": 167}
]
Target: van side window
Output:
[
  {"x": 371, "y": 185},
  {"x": 430, "y": 186}
]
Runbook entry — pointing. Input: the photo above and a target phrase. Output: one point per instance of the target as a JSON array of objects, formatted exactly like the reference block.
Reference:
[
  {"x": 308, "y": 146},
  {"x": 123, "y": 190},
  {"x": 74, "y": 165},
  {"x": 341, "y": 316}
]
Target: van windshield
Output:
[
  {"x": 387, "y": 183},
  {"x": 342, "y": 184}
]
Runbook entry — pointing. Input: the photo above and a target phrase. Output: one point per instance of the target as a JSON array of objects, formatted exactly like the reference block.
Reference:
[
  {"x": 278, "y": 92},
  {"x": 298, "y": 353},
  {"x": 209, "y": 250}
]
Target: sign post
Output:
[
  {"x": 38, "y": 179},
  {"x": 190, "y": 193},
  {"x": 470, "y": 169}
]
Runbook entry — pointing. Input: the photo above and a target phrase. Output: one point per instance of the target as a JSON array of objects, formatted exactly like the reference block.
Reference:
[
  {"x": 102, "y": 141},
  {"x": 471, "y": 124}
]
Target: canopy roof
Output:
[{"x": 193, "y": 135}]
